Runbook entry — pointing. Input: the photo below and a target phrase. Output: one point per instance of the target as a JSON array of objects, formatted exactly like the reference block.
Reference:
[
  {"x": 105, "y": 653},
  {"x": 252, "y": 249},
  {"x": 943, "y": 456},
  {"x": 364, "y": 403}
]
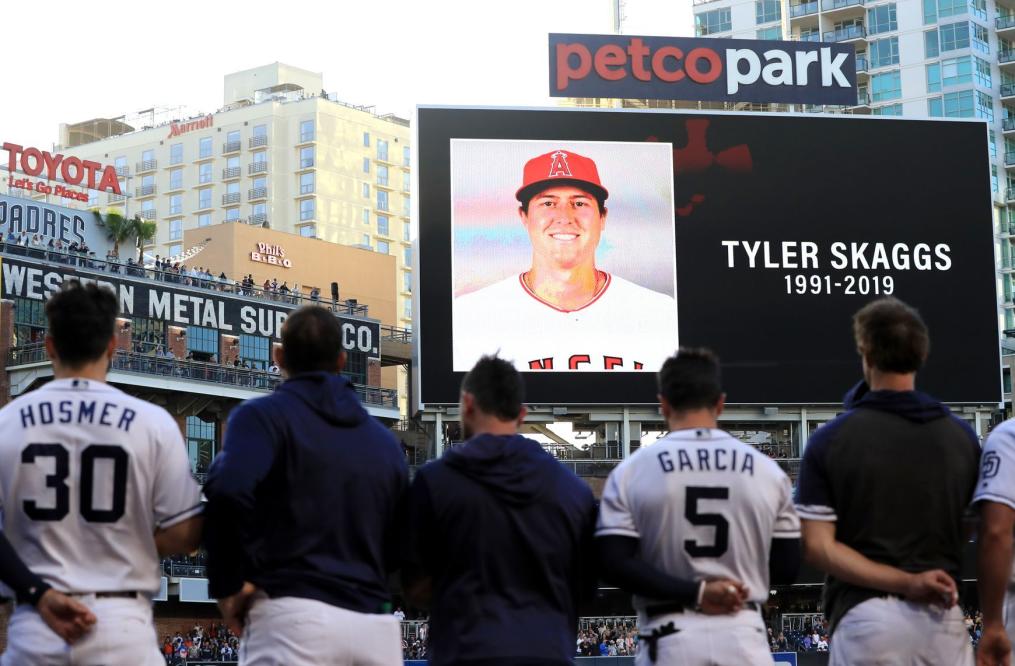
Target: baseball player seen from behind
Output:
[
  {"x": 499, "y": 537},
  {"x": 995, "y": 498},
  {"x": 697, "y": 526},
  {"x": 882, "y": 495},
  {"x": 303, "y": 504},
  {"x": 88, "y": 474},
  {"x": 564, "y": 313}
]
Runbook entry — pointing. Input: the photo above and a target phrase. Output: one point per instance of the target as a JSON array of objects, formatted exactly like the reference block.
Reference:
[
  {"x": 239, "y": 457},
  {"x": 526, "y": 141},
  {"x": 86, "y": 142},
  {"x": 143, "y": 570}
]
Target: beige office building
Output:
[{"x": 280, "y": 153}]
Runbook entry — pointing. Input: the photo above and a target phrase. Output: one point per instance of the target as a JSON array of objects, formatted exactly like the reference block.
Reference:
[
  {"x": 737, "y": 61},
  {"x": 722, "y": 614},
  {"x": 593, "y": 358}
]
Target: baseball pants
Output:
[
  {"x": 894, "y": 632},
  {"x": 289, "y": 631},
  {"x": 704, "y": 640},
  {"x": 123, "y": 635}
]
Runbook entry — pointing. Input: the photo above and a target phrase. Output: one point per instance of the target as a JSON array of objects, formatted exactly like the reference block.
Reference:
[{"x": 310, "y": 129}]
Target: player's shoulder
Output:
[
  {"x": 1002, "y": 438},
  {"x": 629, "y": 290}
]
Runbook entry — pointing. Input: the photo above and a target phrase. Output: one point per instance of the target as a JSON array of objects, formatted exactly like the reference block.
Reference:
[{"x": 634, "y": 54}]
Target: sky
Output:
[{"x": 75, "y": 61}]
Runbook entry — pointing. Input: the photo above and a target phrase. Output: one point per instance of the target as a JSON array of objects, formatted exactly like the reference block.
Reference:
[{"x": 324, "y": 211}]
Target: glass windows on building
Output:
[
  {"x": 383, "y": 225},
  {"x": 204, "y": 220},
  {"x": 407, "y": 256},
  {"x": 148, "y": 209},
  {"x": 981, "y": 72},
  {"x": 382, "y": 174},
  {"x": 366, "y": 241},
  {"x": 356, "y": 368},
  {"x": 407, "y": 308},
  {"x": 406, "y": 181},
  {"x": 766, "y": 11},
  {"x": 175, "y": 250},
  {"x": 308, "y": 231},
  {"x": 261, "y": 157},
  {"x": 884, "y": 52},
  {"x": 994, "y": 183},
  {"x": 148, "y": 155},
  {"x": 147, "y": 182},
  {"x": 176, "y": 179},
  {"x": 774, "y": 32},
  {"x": 384, "y": 247},
  {"x": 984, "y": 106},
  {"x": 202, "y": 342},
  {"x": 886, "y": 86},
  {"x": 709, "y": 23},
  {"x": 406, "y": 281},
  {"x": 204, "y": 148},
  {"x": 953, "y": 36},
  {"x": 233, "y": 189},
  {"x": 233, "y": 138},
  {"x": 307, "y": 209},
  {"x": 406, "y": 230},
  {"x": 382, "y": 200},
  {"x": 307, "y": 131},
  {"x": 887, "y": 110},
  {"x": 366, "y": 216},
  {"x": 934, "y": 77},
  {"x": 200, "y": 444},
  {"x": 405, "y": 155},
  {"x": 204, "y": 173},
  {"x": 366, "y": 190},
  {"x": 176, "y": 205},
  {"x": 980, "y": 37},
  {"x": 232, "y": 214},
  {"x": 306, "y": 157},
  {"x": 29, "y": 321},
  {"x": 176, "y": 153},
  {"x": 956, "y": 71},
  {"x": 260, "y": 133},
  {"x": 233, "y": 165},
  {"x": 991, "y": 143},
  {"x": 204, "y": 198},
  {"x": 176, "y": 229},
  {"x": 930, "y": 44},
  {"x": 147, "y": 335},
  {"x": 259, "y": 209},
  {"x": 882, "y": 19},
  {"x": 121, "y": 165},
  {"x": 382, "y": 150},
  {"x": 366, "y": 139},
  {"x": 958, "y": 104},
  {"x": 256, "y": 351},
  {"x": 307, "y": 182},
  {"x": 366, "y": 165}
]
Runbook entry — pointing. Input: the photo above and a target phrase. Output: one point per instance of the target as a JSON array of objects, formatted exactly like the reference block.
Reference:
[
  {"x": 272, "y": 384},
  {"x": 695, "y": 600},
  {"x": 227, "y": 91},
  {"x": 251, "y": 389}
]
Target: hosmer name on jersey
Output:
[
  {"x": 79, "y": 412},
  {"x": 707, "y": 459}
]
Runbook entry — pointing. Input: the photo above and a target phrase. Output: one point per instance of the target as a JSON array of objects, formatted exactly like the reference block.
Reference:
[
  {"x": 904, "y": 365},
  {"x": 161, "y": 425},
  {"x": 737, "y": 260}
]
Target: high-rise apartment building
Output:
[{"x": 280, "y": 153}]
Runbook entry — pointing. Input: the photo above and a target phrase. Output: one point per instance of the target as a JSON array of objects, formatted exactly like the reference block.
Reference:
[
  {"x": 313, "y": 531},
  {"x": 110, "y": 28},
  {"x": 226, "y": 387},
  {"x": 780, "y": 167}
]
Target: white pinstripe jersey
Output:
[
  {"x": 87, "y": 474},
  {"x": 702, "y": 504},
  {"x": 997, "y": 470}
]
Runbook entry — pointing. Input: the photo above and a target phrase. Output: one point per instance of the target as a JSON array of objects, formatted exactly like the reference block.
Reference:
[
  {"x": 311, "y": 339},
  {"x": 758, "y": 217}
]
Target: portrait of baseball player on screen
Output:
[{"x": 576, "y": 270}]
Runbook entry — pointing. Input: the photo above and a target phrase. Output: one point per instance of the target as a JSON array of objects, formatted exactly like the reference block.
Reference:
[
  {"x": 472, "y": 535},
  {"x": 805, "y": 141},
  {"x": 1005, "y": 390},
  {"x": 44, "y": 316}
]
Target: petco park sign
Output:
[
  {"x": 725, "y": 70},
  {"x": 71, "y": 170}
]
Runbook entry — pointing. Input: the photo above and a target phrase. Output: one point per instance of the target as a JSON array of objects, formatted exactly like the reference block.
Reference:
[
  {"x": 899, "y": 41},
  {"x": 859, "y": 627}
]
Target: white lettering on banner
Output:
[
  {"x": 778, "y": 69},
  {"x": 865, "y": 256},
  {"x": 783, "y": 64},
  {"x": 247, "y": 324},
  {"x": 158, "y": 305},
  {"x": 832, "y": 68},
  {"x": 803, "y": 60}
]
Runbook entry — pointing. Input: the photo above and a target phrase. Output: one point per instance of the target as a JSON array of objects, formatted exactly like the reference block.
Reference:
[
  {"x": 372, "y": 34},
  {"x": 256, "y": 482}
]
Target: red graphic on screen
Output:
[{"x": 695, "y": 157}]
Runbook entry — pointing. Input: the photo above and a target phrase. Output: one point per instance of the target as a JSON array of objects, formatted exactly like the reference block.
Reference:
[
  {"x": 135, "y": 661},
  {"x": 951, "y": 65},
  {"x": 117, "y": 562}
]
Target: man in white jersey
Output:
[
  {"x": 564, "y": 313},
  {"x": 995, "y": 495},
  {"x": 95, "y": 486},
  {"x": 697, "y": 526}
]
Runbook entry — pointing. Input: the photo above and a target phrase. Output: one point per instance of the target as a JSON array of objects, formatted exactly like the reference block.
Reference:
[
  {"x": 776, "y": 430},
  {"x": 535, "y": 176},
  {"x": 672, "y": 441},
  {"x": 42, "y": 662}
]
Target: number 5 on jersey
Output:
[
  {"x": 58, "y": 482},
  {"x": 700, "y": 519}
]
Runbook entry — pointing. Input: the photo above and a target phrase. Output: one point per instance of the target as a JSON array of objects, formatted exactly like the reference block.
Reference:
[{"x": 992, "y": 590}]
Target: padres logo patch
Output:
[{"x": 991, "y": 465}]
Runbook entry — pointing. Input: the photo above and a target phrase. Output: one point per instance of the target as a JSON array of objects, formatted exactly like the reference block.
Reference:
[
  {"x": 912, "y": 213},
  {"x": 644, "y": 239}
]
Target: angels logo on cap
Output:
[{"x": 560, "y": 167}]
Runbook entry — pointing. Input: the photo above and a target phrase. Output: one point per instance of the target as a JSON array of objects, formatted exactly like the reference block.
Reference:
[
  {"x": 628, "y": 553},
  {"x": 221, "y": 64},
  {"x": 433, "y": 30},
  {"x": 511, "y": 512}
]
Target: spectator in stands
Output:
[{"x": 399, "y": 614}]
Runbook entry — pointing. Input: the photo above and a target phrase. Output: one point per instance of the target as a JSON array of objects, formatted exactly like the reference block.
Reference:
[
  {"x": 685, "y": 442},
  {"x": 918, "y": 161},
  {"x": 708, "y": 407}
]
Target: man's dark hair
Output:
[
  {"x": 690, "y": 379},
  {"x": 891, "y": 335},
  {"x": 535, "y": 189},
  {"x": 82, "y": 321},
  {"x": 496, "y": 386},
  {"x": 311, "y": 340}
]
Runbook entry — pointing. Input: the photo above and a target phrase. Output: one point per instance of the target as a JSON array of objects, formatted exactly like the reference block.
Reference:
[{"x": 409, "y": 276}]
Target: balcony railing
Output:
[
  {"x": 809, "y": 37},
  {"x": 231, "y": 198},
  {"x": 863, "y": 98},
  {"x": 115, "y": 198},
  {"x": 147, "y": 165},
  {"x": 147, "y": 214},
  {"x": 1005, "y": 57},
  {"x": 257, "y": 167},
  {"x": 1008, "y": 124},
  {"x": 1007, "y": 89},
  {"x": 231, "y": 173},
  {"x": 861, "y": 64},
  {"x": 231, "y": 147},
  {"x": 829, "y": 5},
  {"x": 1009, "y": 158},
  {"x": 123, "y": 171},
  {"x": 852, "y": 32},
  {"x": 198, "y": 371},
  {"x": 258, "y": 141},
  {"x": 257, "y": 193},
  {"x": 99, "y": 267},
  {"x": 803, "y": 9},
  {"x": 145, "y": 191},
  {"x": 257, "y": 219},
  {"x": 1004, "y": 22}
]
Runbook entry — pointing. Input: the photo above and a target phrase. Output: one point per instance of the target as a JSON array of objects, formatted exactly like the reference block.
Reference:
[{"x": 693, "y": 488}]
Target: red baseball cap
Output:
[{"x": 560, "y": 167}]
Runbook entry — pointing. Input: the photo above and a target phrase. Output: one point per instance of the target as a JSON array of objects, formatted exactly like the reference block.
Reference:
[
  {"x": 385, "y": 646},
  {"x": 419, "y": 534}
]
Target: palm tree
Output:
[{"x": 120, "y": 229}]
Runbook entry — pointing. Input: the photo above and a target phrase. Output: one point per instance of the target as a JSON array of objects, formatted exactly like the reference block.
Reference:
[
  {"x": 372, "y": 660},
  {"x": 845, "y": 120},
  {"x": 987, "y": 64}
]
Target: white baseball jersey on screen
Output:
[
  {"x": 997, "y": 470},
  {"x": 625, "y": 328},
  {"x": 87, "y": 474},
  {"x": 702, "y": 504}
]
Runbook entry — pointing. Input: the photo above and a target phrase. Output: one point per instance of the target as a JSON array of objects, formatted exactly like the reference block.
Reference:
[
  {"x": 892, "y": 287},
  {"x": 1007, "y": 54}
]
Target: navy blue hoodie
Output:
[
  {"x": 506, "y": 533},
  {"x": 895, "y": 472},
  {"x": 305, "y": 498}
]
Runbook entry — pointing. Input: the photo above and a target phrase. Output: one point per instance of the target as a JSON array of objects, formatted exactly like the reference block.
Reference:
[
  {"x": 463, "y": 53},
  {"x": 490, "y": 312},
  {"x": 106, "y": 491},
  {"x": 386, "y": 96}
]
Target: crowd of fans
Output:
[
  {"x": 165, "y": 269},
  {"x": 607, "y": 640},
  {"x": 216, "y": 643}
]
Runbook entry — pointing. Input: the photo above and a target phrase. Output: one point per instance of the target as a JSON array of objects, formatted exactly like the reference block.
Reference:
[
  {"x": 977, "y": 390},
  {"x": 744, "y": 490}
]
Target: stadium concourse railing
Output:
[
  {"x": 91, "y": 263},
  {"x": 199, "y": 371}
]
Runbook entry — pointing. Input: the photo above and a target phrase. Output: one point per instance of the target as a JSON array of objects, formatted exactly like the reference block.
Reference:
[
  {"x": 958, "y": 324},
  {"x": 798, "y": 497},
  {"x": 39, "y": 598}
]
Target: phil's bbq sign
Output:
[{"x": 682, "y": 68}]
